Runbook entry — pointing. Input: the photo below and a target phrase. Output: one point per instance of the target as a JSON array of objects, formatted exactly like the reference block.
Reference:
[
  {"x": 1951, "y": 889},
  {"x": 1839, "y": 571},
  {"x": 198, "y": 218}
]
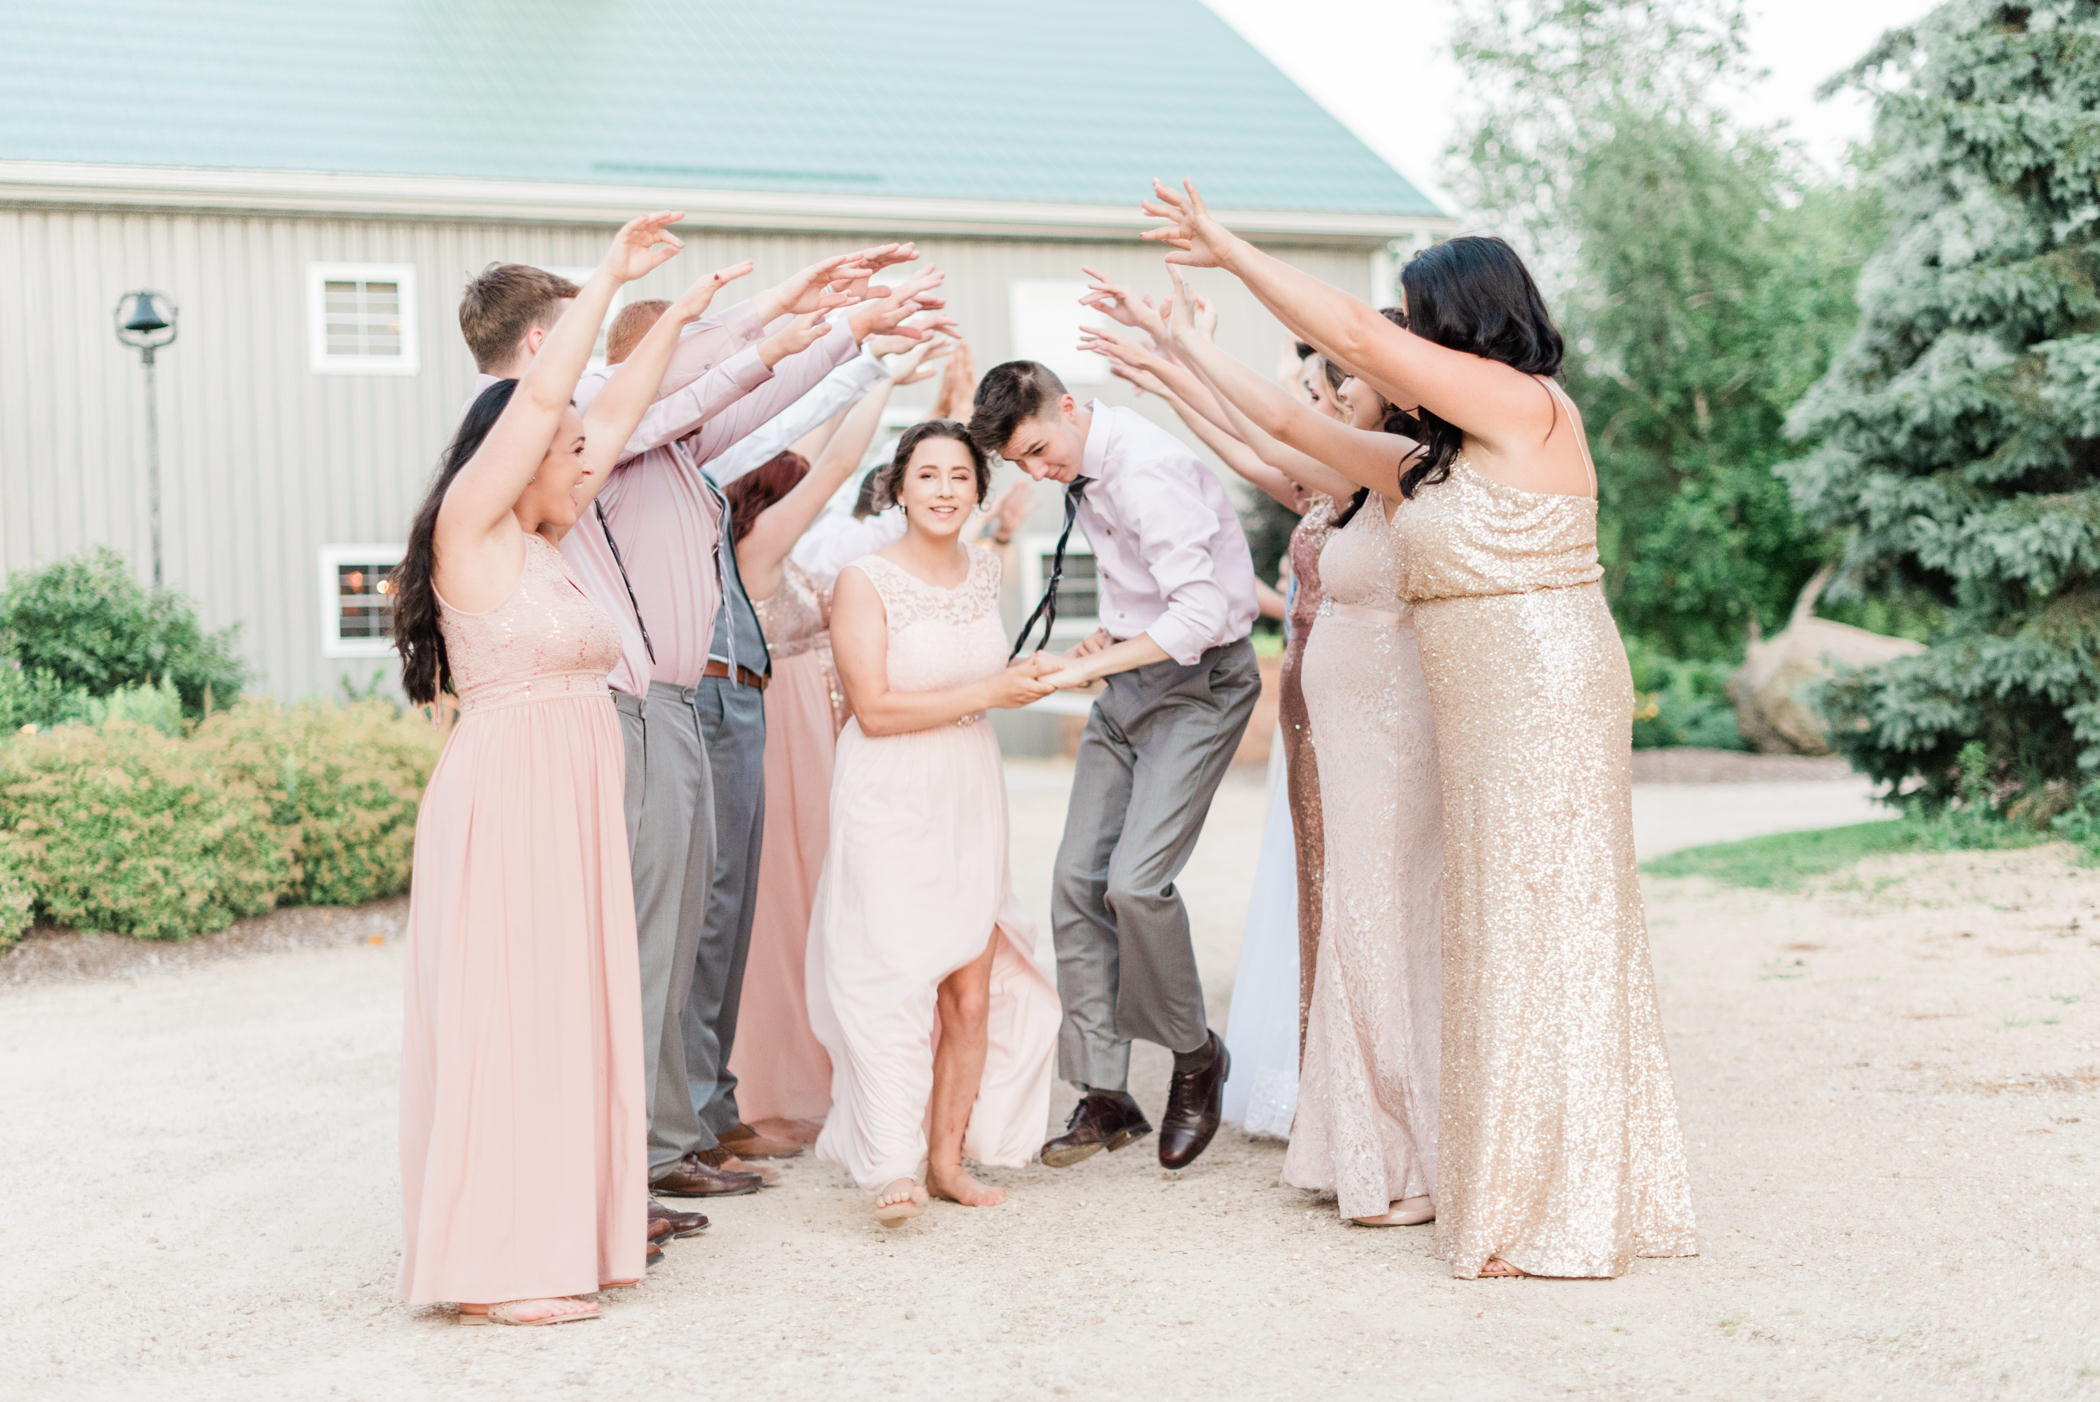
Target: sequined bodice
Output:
[
  {"x": 1308, "y": 539},
  {"x": 940, "y": 637},
  {"x": 796, "y": 615},
  {"x": 1472, "y": 537},
  {"x": 1360, "y": 567},
  {"x": 545, "y": 638}
]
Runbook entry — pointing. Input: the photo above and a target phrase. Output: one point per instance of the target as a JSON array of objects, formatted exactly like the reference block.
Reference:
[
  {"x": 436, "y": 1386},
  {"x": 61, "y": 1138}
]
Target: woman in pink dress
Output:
[
  {"x": 523, "y": 1162},
  {"x": 922, "y": 978},
  {"x": 782, "y": 1072}
]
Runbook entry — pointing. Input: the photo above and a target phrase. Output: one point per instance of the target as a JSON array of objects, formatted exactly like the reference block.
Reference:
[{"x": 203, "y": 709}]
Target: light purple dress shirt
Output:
[{"x": 1168, "y": 547}]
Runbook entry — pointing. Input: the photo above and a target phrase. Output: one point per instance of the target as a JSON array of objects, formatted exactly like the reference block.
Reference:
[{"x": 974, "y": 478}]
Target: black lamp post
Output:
[{"x": 146, "y": 322}]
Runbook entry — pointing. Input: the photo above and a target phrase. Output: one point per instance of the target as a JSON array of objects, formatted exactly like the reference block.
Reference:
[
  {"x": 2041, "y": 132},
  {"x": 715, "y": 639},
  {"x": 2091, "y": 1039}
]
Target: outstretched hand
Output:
[
  {"x": 888, "y": 314},
  {"x": 823, "y": 286},
  {"x": 1199, "y": 241},
  {"x": 914, "y": 366},
  {"x": 1118, "y": 304},
  {"x": 643, "y": 245},
  {"x": 1189, "y": 317},
  {"x": 1116, "y": 350},
  {"x": 794, "y": 338},
  {"x": 702, "y": 293}
]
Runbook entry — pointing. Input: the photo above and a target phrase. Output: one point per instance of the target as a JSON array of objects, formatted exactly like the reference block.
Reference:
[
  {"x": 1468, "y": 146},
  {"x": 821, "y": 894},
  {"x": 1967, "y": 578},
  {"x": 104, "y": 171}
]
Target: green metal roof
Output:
[{"x": 1075, "y": 101}]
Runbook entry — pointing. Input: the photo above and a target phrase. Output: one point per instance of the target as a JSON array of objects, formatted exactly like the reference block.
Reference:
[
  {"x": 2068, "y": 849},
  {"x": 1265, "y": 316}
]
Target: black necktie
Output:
[{"x": 1046, "y": 608}]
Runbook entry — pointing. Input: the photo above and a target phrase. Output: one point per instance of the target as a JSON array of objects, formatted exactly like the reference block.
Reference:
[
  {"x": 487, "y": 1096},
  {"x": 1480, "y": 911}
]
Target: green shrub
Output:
[
  {"x": 92, "y": 627},
  {"x": 126, "y": 829},
  {"x": 17, "y": 896},
  {"x": 1679, "y": 703},
  {"x": 342, "y": 784},
  {"x": 36, "y": 698}
]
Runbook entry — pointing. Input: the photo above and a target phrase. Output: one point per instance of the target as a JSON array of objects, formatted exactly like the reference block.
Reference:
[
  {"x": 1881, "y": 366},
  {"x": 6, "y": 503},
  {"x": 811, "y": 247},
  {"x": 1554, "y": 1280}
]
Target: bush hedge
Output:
[{"x": 122, "y": 827}]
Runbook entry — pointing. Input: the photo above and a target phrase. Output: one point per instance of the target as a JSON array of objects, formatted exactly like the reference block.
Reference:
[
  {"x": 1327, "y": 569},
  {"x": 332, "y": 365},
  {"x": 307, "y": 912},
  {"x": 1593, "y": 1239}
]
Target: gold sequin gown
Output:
[
  {"x": 1301, "y": 772},
  {"x": 1559, "y": 1149},
  {"x": 1367, "y": 1084}
]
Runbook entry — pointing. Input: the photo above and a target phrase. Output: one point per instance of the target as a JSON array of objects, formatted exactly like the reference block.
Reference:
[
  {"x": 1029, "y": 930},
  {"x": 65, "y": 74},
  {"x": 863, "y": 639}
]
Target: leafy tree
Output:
[
  {"x": 1960, "y": 429},
  {"x": 87, "y": 625},
  {"x": 1704, "y": 282}
]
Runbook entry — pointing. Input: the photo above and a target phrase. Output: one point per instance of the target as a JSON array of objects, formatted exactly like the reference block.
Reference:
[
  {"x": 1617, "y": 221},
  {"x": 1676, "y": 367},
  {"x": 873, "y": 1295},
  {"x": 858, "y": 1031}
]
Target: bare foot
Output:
[
  {"x": 956, "y": 1185},
  {"x": 1405, "y": 1212},
  {"x": 1500, "y": 1269},
  {"x": 564, "y": 1310},
  {"x": 901, "y": 1201}
]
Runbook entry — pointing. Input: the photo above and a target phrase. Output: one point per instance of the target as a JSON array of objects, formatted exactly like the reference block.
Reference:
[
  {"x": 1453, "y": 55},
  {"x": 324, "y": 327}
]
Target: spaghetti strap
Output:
[{"x": 1582, "y": 440}]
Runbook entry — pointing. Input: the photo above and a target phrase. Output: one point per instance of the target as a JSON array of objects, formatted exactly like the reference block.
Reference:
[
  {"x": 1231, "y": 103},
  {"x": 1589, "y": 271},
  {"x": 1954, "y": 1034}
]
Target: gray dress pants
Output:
[
  {"x": 671, "y": 835},
  {"x": 733, "y": 717},
  {"x": 1157, "y": 744}
]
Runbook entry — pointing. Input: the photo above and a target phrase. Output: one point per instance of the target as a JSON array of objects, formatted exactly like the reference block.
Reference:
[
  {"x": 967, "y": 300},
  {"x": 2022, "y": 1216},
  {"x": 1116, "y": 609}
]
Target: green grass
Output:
[{"x": 1784, "y": 861}]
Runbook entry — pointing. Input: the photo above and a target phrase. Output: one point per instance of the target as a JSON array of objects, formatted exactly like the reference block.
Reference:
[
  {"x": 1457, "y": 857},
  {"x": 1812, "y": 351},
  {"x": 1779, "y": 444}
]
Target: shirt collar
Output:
[{"x": 1098, "y": 433}]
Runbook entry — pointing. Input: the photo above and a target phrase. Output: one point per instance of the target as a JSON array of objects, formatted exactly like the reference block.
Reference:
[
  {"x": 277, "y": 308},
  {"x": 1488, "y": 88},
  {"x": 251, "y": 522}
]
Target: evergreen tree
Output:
[{"x": 1960, "y": 430}]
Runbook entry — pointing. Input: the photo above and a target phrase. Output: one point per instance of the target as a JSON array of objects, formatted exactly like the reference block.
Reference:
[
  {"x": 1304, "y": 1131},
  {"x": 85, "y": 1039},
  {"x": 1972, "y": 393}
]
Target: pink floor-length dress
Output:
[
  {"x": 782, "y": 1070},
  {"x": 915, "y": 882},
  {"x": 1367, "y": 1087},
  {"x": 523, "y": 1153}
]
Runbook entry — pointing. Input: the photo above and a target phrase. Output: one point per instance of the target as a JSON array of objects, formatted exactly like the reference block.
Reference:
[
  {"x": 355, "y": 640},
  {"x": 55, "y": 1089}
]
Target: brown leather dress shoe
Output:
[
  {"x": 1099, "y": 1121},
  {"x": 655, "y": 1256},
  {"x": 681, "y": 1223},
  {"x": 747, "y": 1143},
  {"x": 1194, "y": 1106},
  {"x": 659, "y": 1231},
  {"x": 721, "y": 1157},
  {"x": 690, "y": 1178}
]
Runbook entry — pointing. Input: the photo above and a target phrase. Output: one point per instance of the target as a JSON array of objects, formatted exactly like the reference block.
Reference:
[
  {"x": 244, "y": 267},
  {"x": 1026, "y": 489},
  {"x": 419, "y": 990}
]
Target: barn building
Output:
[{"x": 310, "y": 182}]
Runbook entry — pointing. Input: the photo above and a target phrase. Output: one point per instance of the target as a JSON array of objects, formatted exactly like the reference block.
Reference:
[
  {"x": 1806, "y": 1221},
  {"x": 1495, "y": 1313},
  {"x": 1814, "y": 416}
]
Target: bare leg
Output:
[{"x": 958, "y": 1069}]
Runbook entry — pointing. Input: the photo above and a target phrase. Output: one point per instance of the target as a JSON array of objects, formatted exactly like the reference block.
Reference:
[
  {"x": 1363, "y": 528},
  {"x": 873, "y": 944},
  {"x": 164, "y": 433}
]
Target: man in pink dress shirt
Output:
[{"x": 1177, "y": 600}]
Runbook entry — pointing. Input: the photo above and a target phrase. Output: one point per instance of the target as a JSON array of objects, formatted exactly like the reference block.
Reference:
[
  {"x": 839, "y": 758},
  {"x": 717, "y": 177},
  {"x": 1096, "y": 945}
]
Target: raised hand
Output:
[
  {"x": 798, "y": 336},
  {"x": 1115, "y": 349},
  {"x": 1199, "y": 241},
  {"x": 700, "y": 294},
  {"x": 1011, "y": 510},
  {"x": 821, "y": 287},
  {"x": 887, "y": 315},
  {"x": 1143, "y": 381},
  {"x": 1115, "y": 301},
  {"x": 643, "y": 245},
  {"x": 958, "y": 382},
  {"x": 1184, "y": 317},
  {"x": 913, "y": 366},
  {"x": 874, "y": 260}
]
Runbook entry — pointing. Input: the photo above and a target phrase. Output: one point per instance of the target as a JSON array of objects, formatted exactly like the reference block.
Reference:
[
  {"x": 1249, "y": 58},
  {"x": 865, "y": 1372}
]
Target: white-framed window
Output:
[
  {"x": 361, "y": 318},
  {"x": 1078, "y": 589},
  {"x": 357, "y": 603},
  {"x": 1046, "y": 319},
  {"x": 622, "y": 295}
]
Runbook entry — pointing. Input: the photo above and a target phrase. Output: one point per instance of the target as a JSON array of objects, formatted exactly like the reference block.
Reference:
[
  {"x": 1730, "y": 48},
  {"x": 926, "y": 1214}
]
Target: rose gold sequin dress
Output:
[
  {"x": 1558, "y": 1144},
  {"x": 1308, "y": 539},
  {"x": 524, "y": 1164},
  {"x": 1367, "y": 1085},
  {"x": 781, "y": 1069}
]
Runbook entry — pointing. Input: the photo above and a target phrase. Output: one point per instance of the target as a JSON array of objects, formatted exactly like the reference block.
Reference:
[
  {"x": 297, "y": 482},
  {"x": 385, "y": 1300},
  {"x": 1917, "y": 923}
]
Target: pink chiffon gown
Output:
[
  {"x": 782, "y": 1070},
  {"x": 915, "y": 882},
  {"x": 524, "y": 1163}
]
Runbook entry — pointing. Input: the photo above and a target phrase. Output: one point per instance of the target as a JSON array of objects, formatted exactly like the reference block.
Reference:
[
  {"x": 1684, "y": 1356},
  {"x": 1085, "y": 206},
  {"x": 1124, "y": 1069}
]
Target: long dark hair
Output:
[
  {"x": 426, "y": 673},
  {"x": 1474, "y": 294},
  {"x": 761, "y": 487},
  {"x": 1396, "y": 421},
  {"x": 889, "y": 478}
]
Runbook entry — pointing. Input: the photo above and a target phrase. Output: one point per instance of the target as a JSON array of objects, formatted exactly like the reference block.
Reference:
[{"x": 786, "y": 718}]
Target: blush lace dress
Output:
[
  {"x": 1367, "y": 1089},
  {"x": 524, "y": 1162},
  {"x": 915, "y": 882}
]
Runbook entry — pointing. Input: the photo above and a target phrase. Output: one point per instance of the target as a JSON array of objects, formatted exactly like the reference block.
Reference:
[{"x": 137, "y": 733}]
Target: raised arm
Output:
[
  {"x": 1366, "y": 457},
  {"x": 609, "y": 423},
  {"x": 478, "y": 504},
  {"x": 860, "y": 647},
  {"x": 764, "y": 548},
  {"x": 1500, "y": 406}
]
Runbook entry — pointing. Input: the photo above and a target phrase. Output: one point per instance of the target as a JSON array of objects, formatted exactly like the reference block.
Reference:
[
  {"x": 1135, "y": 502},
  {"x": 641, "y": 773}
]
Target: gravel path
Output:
[{"x": 1891, "y": 1090}]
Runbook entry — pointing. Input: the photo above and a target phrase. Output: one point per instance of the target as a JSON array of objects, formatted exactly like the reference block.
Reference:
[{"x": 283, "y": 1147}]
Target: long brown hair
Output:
[
  {"x": 752, "y": 493},
  {"x": 426, "y": 672}
]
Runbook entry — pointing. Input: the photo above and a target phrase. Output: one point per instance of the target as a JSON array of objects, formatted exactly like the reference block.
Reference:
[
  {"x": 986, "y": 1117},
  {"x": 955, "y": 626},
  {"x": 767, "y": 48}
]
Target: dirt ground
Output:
[{"x": 1890, "y": 1087}]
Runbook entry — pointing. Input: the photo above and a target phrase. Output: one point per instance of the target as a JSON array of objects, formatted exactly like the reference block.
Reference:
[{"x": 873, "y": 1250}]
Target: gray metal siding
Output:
[{"x": 263, "y": 461}]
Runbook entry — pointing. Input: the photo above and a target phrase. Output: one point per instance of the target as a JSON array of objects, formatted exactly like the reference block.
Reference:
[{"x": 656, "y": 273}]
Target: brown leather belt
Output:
[{"x": 744, "y": 675}]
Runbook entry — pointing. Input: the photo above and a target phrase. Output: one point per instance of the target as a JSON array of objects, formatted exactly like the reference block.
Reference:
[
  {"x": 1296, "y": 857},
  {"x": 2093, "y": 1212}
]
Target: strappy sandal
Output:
[{"x": 507, "y": 1313}]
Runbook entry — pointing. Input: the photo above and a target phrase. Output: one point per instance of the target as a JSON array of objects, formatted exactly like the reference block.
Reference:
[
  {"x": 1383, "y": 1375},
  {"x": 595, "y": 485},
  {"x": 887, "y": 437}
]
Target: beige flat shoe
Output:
[
  {"x": 507, "y": 1313},
  {"x": 1401, "y": 1214}
]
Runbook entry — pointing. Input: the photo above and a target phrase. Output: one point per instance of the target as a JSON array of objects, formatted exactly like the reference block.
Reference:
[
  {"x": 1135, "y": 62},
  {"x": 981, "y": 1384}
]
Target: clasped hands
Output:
[{"x": 1041, "y": 673}]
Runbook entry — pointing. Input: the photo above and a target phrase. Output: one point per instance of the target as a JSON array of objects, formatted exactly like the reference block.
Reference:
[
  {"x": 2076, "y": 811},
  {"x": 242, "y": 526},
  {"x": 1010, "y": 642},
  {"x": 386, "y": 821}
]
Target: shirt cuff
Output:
[
  {"x": 1179, "y": 638},
  {"x": 745, "y": 370}
]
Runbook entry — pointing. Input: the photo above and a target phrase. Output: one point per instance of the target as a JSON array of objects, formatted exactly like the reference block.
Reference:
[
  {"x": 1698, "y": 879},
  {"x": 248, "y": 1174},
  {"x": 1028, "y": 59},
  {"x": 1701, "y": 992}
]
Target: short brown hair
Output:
[
  {"x": 630, "y": 326},
  {"x": 889, "y": 478},
  {"x": 502, "y": 303},
  {"x": 1009, "y": 393}
]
